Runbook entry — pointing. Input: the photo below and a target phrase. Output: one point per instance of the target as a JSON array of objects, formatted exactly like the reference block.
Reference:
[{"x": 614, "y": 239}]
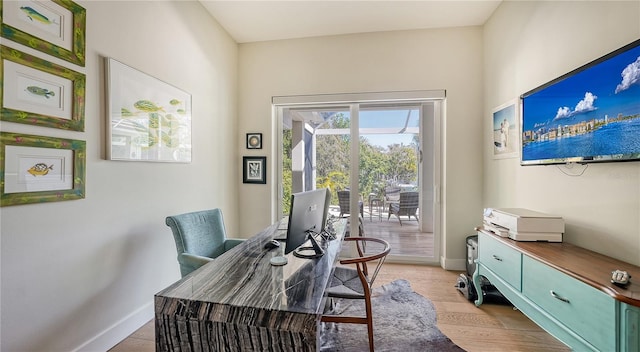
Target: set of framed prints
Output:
[
  {"x": 38, "y": 92},
  {"x": 254, "y": 168}
]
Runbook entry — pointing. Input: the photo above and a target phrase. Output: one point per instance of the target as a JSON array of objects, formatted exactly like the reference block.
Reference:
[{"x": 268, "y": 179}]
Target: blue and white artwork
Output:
[
  {"x": 505, "y": 131},
  {"x": 590, "y": 114}
]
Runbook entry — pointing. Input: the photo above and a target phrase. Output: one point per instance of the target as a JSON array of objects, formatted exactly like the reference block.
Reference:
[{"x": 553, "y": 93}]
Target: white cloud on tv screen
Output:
[
  {"x": 630, "y": 75},
  {"x": 585, "y": 105}
]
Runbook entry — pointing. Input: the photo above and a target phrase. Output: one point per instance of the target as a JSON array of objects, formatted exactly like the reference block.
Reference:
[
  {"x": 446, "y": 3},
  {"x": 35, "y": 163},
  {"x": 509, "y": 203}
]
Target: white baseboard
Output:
[
  {"x": 453, "y": 264},
  {"x": 117, "y": 332}
]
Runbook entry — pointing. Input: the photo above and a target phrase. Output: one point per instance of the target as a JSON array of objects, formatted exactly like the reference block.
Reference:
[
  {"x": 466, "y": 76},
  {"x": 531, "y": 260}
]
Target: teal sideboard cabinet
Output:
[{"x": 565, "y": 289}]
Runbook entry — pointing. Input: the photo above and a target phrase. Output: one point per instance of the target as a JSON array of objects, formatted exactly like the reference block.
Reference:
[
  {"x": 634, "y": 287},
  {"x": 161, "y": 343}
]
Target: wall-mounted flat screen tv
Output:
[{"x": 591, "y": 114}]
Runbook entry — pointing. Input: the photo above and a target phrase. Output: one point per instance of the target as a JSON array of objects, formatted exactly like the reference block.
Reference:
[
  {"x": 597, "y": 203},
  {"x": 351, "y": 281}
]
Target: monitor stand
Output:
[{"x": 309, "y": 252}]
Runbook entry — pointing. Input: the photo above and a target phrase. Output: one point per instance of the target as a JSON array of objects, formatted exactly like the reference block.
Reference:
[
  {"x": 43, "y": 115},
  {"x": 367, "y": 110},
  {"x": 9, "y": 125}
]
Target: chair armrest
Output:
[
  {"x": 192, "y": 261},
  {"x": 232, "y": 242}
]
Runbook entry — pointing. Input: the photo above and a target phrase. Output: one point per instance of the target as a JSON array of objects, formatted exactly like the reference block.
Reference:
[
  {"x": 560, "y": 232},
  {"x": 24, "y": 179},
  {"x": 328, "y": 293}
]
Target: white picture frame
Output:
[
  {"x": 505, "y": 131},
  {"x": 147, "y": 119}
]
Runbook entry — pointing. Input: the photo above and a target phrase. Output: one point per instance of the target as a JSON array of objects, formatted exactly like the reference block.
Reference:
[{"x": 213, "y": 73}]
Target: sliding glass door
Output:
[{"x": 374, "y": 154}]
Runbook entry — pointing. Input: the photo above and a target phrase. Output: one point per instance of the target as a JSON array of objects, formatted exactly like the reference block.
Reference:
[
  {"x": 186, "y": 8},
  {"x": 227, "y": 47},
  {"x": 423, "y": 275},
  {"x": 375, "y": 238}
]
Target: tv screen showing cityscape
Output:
[{"x": 591, "y": 114}]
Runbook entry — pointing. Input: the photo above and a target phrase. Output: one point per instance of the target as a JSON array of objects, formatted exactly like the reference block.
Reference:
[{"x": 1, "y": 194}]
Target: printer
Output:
[{"x": 523, "y": 224}]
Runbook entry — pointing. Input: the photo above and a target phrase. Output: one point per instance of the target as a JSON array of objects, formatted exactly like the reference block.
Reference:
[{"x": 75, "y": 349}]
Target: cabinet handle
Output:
[
  {"x": 497, "y": 258},
  {"x": 556, "y": 296}
]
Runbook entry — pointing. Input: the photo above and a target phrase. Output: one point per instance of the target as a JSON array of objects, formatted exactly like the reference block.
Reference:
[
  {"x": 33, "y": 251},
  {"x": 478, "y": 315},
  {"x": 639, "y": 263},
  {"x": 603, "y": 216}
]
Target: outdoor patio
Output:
[{"x": 405, "y": 239}]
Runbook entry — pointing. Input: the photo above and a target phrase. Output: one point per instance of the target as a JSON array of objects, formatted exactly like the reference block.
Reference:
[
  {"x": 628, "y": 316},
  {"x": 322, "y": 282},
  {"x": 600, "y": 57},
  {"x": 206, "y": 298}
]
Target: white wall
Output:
[
  {"x": 448, "y": 59},
  {"x": 82, "y": 274},
  {"x": 528, "y": 44}
]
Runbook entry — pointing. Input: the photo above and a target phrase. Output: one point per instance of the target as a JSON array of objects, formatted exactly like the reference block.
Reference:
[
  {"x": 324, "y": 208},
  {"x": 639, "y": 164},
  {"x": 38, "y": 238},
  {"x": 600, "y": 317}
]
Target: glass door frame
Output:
[{"x": 431, "y": 104}]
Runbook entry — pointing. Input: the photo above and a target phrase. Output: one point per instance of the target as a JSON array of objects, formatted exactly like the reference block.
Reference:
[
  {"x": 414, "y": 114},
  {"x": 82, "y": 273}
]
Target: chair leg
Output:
[{"x": 370, "y": 327}]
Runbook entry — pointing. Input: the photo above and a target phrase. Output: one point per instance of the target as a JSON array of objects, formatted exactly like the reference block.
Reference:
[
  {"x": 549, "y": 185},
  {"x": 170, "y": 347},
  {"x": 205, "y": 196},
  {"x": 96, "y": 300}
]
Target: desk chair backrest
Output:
[
  {"x": 201, "y": 233},
  {"x": 348, "y": 283}
]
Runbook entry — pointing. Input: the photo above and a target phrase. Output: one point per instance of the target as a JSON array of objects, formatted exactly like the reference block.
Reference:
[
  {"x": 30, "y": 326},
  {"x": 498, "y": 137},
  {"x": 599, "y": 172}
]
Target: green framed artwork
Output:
[
  {"x": 38, "y": 169},
  {"x": 54, "y": 27},
  {"x": 36, "y": 92}
]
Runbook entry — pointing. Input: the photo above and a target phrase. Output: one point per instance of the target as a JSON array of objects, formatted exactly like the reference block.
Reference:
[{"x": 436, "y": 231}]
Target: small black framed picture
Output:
[
  {"x": 254, "y": 140},
  {"x": 254, "y": 169}
]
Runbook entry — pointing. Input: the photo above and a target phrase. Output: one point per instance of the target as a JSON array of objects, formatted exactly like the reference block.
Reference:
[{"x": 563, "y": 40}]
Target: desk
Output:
[{"x": 240, "y": 302}]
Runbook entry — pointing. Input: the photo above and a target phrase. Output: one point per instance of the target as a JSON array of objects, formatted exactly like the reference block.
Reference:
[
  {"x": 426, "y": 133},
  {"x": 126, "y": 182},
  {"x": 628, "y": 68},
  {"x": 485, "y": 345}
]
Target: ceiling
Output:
[{"x": 254, "y": 21}]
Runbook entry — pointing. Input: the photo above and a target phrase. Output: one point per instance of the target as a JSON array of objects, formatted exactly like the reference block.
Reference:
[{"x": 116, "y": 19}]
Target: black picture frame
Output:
[
  {"x": 254, "y": 140},
  {"x": 254, "y": 169}
]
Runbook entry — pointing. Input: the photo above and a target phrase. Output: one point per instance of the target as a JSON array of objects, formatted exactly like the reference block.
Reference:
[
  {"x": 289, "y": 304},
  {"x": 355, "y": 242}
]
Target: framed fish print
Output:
[
  {"x": 54, "y": 27},
  {"x": 38, "y": 92},
  {"x": 38, "y": 169},
  {"x": 148, "y": 119},
  {"x": 254, "y": 169}
]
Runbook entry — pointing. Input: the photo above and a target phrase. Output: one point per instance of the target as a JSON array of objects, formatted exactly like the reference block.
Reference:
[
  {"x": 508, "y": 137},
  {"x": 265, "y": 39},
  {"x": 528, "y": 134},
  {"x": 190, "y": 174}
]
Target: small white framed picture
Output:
[{"x": 504, "y": 124}]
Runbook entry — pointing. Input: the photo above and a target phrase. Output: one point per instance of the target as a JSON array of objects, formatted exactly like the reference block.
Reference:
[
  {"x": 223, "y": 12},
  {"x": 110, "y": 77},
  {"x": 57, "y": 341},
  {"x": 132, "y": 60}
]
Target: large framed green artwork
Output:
[
  {"x": 38, "y": 169},
  {"x": 36, "y": 92},
  {"x": 55, "y": 27},
  {"x": 147, "y": 119}
]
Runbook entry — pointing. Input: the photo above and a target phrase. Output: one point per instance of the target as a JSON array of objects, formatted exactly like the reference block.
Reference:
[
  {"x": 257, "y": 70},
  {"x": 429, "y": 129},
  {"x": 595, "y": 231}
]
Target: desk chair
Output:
[
  {"x": 408, "y": 206},
  {"x": 356, "y": 283},
  {"x": 200, "y": 236}
]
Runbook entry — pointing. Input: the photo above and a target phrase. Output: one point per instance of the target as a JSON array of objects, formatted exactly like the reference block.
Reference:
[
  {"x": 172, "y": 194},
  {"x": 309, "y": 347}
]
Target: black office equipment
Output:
[
  {"x": 465, "y": 284},
  {"x": 307, "y": 218}
]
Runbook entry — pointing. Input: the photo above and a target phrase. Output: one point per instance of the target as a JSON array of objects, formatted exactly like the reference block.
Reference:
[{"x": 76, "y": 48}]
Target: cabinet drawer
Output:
[
  {"x": 581, "y": 308},
  {"x": 506, "y": 262},
  {"x": 629, "y": 328}
]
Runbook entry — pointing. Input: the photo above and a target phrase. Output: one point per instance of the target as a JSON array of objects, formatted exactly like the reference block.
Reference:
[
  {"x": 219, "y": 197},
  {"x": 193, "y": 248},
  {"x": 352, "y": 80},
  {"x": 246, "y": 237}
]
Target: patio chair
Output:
[
  {"x": 343, "y": 201},
  {"x": 408, "y": 205},
  {"x": 391, "y": 195}
]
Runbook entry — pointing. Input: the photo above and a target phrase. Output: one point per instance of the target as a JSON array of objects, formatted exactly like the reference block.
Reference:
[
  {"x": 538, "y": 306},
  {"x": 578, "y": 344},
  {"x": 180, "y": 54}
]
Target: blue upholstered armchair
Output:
[{"x": 200, "y": 236}]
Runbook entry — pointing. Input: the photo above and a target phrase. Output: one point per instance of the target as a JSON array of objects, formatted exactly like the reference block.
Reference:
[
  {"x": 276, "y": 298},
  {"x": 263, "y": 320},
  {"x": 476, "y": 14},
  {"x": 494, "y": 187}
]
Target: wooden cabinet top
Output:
[{"x": 585, "y": 265}]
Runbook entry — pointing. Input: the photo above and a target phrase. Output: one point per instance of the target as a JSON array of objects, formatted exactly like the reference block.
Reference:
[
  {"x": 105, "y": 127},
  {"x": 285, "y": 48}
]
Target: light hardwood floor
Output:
[
  {"x": 405, "y": 240},
  {"x": 490, "y": 328}
]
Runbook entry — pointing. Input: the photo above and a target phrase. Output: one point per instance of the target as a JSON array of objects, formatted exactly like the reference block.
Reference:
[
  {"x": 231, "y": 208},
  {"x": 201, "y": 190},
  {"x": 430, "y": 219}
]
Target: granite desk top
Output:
[{"x": 243, "y": 277}]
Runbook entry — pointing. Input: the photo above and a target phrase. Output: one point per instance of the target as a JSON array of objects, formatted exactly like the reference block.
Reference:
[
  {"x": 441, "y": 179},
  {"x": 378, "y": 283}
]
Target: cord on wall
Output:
[{"x": 568, "y": 169}]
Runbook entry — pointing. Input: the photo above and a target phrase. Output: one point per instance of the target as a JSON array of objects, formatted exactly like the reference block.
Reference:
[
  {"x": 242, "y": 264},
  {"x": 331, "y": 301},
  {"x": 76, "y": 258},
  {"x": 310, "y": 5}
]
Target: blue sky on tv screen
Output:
[{"x": 610, "y": 87}]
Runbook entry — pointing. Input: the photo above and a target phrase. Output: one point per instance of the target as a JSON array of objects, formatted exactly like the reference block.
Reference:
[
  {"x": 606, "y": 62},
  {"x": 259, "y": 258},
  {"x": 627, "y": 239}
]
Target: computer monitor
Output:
[{"x": 307, "y": 218}]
